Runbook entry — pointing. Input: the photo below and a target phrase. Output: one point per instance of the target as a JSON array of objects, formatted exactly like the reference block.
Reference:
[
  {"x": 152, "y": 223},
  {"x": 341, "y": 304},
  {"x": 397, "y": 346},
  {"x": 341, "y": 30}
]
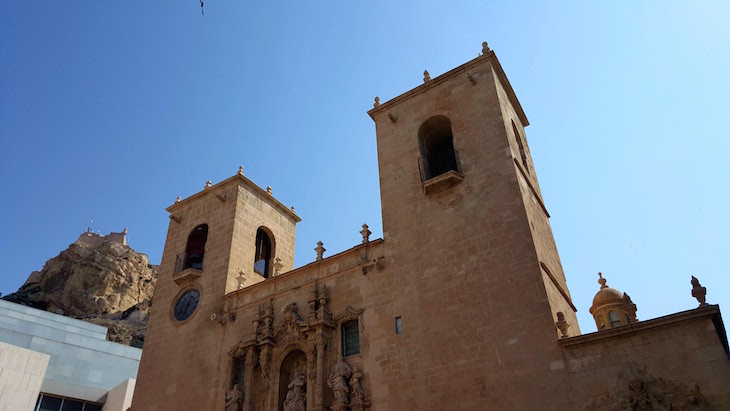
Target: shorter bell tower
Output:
[{"x": 228, "y": 236}]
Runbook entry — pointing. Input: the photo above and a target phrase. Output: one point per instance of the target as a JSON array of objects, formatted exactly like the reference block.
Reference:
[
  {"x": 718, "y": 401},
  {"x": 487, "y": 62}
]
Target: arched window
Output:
[
  {"x": 436, "y": 142},
  {"x": 615, "y": 322},
  {"x": 263, "y": 253},
  {"x": 195, "y": 248},
  {"x": 601, "y": 324},
  {"x": 523, "y": 155}
]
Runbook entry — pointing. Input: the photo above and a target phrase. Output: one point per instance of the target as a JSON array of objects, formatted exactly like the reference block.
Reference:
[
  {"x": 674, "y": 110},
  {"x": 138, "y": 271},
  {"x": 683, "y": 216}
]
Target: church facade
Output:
[{"x": 463, "y": 304}]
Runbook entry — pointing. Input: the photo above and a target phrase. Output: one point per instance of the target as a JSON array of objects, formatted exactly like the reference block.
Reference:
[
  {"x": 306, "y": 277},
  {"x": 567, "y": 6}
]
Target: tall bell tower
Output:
[{"x": 465, "y": 222}]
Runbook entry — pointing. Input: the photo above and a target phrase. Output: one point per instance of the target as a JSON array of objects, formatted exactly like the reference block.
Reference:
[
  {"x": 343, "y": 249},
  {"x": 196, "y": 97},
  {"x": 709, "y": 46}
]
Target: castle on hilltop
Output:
[
  {"x": 93, "y": 239},
  {"x": 463, "y": 304}
]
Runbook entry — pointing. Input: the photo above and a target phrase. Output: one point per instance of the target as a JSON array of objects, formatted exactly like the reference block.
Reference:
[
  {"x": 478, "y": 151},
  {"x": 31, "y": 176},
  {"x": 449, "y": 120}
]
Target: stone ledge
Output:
[
  {"x": 442, "y": 182},
  {"x": 188, "y": 275}
]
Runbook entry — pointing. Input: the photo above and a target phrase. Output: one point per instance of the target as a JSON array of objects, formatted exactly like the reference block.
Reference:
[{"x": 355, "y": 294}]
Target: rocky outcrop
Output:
[{"x": 109, "y": 284}]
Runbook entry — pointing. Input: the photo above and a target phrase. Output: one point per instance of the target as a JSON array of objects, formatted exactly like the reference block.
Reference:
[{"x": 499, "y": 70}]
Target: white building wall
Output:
[
  {"x": 120, "y": 397},
  {"x": 21, "y": 377}
]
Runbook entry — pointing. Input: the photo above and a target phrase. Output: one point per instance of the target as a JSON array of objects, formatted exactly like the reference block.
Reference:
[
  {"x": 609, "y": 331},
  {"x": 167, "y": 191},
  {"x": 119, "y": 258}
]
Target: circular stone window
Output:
[{"x": 186, "y": 304}]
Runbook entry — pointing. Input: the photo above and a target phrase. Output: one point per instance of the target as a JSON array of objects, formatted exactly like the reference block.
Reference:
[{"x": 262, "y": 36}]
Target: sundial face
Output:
[{"x": 186, "y": 304}]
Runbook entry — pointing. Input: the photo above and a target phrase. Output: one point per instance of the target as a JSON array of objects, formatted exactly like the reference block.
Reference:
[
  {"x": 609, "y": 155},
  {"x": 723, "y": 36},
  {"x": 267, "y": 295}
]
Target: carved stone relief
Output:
[
  {"x": 637, "y": 390},
  {"x": 289, "y": 329}
]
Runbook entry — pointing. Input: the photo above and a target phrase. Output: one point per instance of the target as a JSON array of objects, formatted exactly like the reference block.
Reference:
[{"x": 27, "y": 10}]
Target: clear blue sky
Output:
[{"x": 111, "y": 110}]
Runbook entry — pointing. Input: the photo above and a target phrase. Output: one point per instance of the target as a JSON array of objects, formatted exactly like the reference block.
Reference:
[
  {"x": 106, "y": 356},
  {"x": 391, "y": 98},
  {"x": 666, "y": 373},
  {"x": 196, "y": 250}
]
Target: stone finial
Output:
[
  {"x": 426, "y": 76},
  {"x": 208, "y": 184},
  {"x": 240, "y": 170},
  {"x": 320, "y": 250},
  {"x": 562, "y": 325},
  {"x": 698, "y": 291},
  {"x": 178, "y": 199},
  {"x": 124, "y": 231},
  {"x": 365, "y": 234},
  {"x": 277, "y": 266},
  {"x": 485, "y": 48},
  {"x": 377, "y": 101},
  {"x": 292, "y": 209},
  {"x": 602, "y": 281}
]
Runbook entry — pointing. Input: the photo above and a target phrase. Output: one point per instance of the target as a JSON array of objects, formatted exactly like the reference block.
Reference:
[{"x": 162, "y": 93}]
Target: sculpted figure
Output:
[
  {"x": 355, "y": 387},
  {"x": 234, "y": 399},
  {"x": 296, "y": 399},
  {"x": 337, "y": 381}
]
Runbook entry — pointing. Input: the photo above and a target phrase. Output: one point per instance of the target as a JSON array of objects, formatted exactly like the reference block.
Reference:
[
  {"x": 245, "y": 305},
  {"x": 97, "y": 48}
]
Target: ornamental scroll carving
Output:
[
  {"x": 637, "y": 390},
  {"x": 289, "y": 329}
]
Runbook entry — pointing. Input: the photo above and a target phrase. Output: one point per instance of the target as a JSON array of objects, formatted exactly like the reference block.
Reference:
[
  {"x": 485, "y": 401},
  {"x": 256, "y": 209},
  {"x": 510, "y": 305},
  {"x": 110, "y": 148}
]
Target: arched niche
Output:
[{"x": 293, "y": 367}]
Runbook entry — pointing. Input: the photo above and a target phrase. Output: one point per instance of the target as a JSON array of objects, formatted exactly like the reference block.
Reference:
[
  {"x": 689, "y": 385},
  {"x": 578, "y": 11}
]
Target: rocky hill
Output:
[{"x": 107, "y": 283}]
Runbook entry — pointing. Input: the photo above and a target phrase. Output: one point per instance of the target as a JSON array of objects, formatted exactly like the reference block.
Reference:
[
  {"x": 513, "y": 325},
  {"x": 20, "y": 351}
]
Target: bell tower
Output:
[
  {"x": 464, "y": 215},
  {"x": 228, "y": 236}
]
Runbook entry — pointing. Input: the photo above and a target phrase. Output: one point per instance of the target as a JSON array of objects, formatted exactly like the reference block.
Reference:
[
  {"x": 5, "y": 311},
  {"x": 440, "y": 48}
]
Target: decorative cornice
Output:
[
  {"x": 710, "y": 312},
  {"x": 489, "y": 56},
  {"x": 244, "y": 181}
]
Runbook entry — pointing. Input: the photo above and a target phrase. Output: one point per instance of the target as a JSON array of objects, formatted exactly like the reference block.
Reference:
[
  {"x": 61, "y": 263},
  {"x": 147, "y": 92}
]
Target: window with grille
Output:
[
  {"x": 350, "y": 339},
  {"x": 238, "y": 371}
]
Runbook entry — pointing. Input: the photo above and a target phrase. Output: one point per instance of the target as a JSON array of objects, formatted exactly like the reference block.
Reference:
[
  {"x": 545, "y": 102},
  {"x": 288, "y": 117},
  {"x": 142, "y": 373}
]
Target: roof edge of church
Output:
[{"x": 491, "y": 55}]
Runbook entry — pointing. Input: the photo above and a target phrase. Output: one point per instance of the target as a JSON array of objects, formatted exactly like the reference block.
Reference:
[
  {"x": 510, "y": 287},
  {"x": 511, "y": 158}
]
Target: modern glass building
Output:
[{"x": 85, "y": 372}]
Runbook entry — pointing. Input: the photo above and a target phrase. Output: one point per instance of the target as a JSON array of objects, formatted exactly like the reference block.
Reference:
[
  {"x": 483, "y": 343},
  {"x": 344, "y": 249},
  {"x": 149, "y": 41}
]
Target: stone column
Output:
[
  {"x": 319, "y": 382},
  {"x": 248, "y": 380}
]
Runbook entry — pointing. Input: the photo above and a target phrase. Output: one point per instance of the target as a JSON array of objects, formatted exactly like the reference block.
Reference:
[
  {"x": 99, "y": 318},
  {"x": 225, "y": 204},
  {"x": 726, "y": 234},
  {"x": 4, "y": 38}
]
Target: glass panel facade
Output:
[
  {"x": 72, "y": 405},
  {"x": 50, "y": 404}
]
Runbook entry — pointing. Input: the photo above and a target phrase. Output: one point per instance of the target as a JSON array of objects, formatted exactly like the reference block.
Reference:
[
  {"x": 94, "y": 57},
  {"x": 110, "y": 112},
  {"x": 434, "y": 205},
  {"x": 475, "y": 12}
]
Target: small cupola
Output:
[{"x": 611, "y": 308}]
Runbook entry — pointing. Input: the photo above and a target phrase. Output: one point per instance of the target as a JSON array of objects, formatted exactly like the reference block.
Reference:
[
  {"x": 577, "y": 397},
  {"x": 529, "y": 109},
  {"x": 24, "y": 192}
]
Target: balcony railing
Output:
[
  {"x": 192, "y": 259},
  {"x": 439, "y": 165}
]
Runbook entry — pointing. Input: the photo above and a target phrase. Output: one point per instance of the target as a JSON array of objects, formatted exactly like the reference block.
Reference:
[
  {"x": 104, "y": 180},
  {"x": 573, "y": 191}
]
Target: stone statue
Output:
[
  {"x": 355, "y": 387},
  {"x": 337, "y": 381},
  {"x": 234, "y": 399},
  {"x": 296, "y": 399}
]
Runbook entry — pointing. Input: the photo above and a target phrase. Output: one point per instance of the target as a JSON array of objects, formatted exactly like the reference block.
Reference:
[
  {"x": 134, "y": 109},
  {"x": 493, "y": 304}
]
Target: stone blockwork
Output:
[
  {"x": 455, "y": 308},
  {"x": 684, "y": 350},
  {"x": 21, "y": 377}
]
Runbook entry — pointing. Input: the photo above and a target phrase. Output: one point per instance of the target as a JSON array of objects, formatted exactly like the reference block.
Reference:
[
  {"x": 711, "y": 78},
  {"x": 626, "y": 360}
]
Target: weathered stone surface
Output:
[{"x": 109, "y": 284}]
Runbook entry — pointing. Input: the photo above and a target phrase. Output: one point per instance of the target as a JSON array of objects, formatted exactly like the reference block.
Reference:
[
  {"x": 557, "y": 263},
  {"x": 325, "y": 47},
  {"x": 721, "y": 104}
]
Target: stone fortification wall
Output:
[{"x": 94, "y": 239}]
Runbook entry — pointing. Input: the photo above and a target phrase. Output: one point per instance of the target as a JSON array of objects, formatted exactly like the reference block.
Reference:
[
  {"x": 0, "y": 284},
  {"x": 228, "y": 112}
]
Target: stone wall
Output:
[
  {"x": 94, "y": 239},
  {"x": 21, "y": 377},
  {"x": 668, "y": 355}
]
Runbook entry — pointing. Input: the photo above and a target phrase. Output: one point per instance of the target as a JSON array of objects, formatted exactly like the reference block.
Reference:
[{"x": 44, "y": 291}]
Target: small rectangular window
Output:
[
  {"x": 350, "y": 339},
  {"x": 398, "y": 325}
]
